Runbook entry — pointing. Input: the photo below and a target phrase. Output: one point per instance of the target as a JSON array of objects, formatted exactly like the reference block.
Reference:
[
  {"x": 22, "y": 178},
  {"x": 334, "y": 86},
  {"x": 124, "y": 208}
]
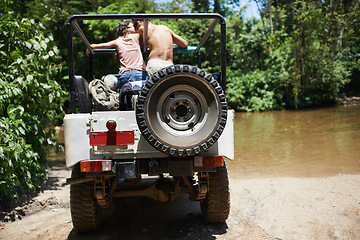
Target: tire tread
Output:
[
  {"x": 83, "y": 205},
  {"x": 216, "y": 207}
]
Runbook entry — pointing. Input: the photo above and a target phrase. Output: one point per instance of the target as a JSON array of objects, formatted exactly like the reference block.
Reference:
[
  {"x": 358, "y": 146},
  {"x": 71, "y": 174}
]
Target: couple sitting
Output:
[{"x": 160, "y": 40}]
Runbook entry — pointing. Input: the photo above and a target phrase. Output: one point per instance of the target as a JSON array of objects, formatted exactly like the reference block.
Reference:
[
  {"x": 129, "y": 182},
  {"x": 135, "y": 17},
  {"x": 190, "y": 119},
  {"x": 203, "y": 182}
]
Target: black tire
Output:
[
  {"x": 181, "y": 110},
  {"x": 85, "y": 212},
  {"x": 215, "y": 207}
]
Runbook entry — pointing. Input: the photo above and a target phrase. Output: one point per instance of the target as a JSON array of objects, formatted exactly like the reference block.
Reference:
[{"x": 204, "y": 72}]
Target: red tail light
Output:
[
  {"x": 208, "y": 161},
  {"x": 111, "y": 125},
  {"x": 96, "y": 166}
]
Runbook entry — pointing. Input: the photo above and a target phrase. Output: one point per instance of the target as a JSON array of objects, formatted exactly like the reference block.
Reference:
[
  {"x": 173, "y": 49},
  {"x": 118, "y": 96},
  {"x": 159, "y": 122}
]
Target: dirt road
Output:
[{"x": 268, "y": 208}]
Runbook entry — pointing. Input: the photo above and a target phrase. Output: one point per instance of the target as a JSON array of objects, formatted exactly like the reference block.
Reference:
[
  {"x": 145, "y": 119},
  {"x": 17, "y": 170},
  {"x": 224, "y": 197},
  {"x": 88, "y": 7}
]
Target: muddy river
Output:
[{"x": 304, "y": 143}]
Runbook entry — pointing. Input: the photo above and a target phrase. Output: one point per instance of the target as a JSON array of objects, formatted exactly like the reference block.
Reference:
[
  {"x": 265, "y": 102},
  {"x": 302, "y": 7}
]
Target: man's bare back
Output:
[{"x": 160, "y": 40}]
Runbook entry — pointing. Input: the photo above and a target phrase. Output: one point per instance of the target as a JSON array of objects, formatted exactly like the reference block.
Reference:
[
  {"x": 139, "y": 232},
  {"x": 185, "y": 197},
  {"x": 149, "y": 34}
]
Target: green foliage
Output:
[
  {"x": 29, "y": 101},
  {"x": 251, "y": 92},
  {"x": 351, "y": 41},
  {"x": 246, "y": 44},
  {"x": 303, "y": 52},
  {"x": 318, "y": 72}
]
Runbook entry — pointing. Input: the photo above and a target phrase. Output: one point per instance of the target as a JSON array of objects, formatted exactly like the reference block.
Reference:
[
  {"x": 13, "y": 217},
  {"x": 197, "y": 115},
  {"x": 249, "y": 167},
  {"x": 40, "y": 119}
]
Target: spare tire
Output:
[{"x": 181, "y": 110}]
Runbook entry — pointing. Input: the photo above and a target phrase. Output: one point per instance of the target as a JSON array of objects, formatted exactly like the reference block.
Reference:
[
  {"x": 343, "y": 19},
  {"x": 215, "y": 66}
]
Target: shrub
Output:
[{"x": 29, "y": 101}]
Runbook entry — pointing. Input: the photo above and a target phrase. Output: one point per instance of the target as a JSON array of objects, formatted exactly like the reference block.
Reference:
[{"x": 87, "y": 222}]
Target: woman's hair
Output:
[
  {"x": 122, "y": 29},
  {"x": 136, "y": 22}
]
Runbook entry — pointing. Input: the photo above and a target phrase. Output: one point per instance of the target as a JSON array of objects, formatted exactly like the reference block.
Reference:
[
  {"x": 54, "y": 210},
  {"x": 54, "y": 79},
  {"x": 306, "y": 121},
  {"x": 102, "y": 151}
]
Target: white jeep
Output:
[{"x": 179, "y": 130}]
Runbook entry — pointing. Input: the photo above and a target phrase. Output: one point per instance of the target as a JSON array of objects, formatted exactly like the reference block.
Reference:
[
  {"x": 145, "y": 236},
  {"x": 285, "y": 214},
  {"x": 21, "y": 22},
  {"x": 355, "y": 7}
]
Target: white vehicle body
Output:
[{"x": 77, "y": 128}]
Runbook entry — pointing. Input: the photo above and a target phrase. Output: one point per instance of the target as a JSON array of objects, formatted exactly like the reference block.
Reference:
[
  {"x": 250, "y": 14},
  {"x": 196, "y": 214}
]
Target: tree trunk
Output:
[{"x": 270, "y": 19}]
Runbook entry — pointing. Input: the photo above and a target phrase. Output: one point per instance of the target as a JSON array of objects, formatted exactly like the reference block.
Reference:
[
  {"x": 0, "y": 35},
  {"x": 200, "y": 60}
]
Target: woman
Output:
[{"x": 132, "y": 66}]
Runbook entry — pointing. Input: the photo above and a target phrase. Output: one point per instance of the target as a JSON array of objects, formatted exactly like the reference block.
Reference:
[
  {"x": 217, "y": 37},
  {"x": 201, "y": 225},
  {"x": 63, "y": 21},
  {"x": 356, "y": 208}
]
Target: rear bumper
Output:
[{"x": 123, "y": 170}]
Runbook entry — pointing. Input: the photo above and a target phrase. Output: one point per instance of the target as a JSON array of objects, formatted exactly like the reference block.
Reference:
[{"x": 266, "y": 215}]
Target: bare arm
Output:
[
  {"x": 179, "y": 41},
  {"x": 140, "y": 30},
  {"x": 101, "y": 46}
]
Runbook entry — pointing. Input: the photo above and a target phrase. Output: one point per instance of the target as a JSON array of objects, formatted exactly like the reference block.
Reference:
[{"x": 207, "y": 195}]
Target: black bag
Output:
[{"x": 126, "y": 97}]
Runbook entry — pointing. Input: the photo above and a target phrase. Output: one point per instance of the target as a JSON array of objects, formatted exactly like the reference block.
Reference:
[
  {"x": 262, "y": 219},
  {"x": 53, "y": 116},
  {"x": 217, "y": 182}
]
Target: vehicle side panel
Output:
[{"x": 76, "y": 135}]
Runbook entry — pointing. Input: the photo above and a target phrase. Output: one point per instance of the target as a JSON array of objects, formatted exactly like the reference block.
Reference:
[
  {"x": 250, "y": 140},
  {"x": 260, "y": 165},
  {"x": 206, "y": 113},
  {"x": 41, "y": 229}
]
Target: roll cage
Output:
[{"x": 72, "y": 23}]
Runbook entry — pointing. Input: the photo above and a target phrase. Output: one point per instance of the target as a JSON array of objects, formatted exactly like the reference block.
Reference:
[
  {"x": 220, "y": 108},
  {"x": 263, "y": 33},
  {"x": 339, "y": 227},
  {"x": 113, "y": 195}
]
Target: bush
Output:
[
  {"x": 29, "y": 101},
  {"x": 253, "y": 91}
]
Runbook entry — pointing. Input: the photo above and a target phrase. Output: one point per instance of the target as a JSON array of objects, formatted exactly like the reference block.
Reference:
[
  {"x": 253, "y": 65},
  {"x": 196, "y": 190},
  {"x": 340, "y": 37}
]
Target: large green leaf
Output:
[{"x": 15, "y": 112}]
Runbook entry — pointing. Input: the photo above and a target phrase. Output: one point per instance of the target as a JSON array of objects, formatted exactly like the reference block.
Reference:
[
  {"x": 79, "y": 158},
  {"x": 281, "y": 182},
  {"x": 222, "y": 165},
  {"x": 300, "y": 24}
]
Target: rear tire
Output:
[
  {"x": 84, "y": 208},
  {"x": 216, "y": 206},
  {"x": 181, "y": 110}
]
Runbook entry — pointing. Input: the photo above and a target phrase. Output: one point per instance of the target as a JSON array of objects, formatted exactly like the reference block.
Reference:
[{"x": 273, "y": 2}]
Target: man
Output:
[{"x": 160, "y": 40}]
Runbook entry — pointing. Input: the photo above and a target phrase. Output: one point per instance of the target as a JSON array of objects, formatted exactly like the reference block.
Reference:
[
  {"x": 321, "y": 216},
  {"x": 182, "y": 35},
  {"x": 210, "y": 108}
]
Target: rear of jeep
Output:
[{"x": 173, "y": 141}]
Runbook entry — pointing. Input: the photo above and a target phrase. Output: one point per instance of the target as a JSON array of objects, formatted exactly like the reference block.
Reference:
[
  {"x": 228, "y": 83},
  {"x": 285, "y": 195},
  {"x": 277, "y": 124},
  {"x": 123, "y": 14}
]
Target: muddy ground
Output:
[{"x": 262, "y": 208}]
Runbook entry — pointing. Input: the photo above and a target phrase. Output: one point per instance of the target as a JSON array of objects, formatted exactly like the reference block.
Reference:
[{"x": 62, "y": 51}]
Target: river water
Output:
[{"x": 304, "y": 143}]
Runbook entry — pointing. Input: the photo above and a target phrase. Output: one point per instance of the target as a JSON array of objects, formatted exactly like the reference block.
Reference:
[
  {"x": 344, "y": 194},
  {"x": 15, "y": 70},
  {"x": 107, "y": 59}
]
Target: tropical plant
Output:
[{"x": 29, "y": 101}]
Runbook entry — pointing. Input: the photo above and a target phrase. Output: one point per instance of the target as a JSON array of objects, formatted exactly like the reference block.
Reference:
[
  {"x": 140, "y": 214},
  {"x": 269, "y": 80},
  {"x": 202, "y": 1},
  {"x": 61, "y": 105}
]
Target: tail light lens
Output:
[
  {"x": 96, "y": 166},
  {"x": 111, "y": 125},
  {"x": 208, "y": 161}
]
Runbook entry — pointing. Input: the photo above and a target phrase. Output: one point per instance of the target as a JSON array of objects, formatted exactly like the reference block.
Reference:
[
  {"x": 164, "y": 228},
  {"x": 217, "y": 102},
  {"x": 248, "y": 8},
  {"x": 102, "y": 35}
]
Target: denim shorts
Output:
[{"x": 131, "y": 76}]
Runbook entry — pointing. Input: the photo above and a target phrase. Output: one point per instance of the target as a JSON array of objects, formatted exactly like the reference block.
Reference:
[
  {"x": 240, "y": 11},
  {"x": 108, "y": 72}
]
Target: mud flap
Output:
[
  {"x": 125, "y": 170},
  {"x": 179, "y": 168}
]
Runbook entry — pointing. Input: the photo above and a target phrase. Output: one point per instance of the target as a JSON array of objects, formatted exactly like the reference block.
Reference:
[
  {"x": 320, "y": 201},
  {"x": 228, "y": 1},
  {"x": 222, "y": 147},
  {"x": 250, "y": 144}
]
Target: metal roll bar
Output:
[{"x": 73, "y": 22}]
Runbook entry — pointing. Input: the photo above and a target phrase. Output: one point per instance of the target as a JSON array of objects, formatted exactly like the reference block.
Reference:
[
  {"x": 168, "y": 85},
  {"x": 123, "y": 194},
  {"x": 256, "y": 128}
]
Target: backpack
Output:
[{"x": 103, "y": 98}]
